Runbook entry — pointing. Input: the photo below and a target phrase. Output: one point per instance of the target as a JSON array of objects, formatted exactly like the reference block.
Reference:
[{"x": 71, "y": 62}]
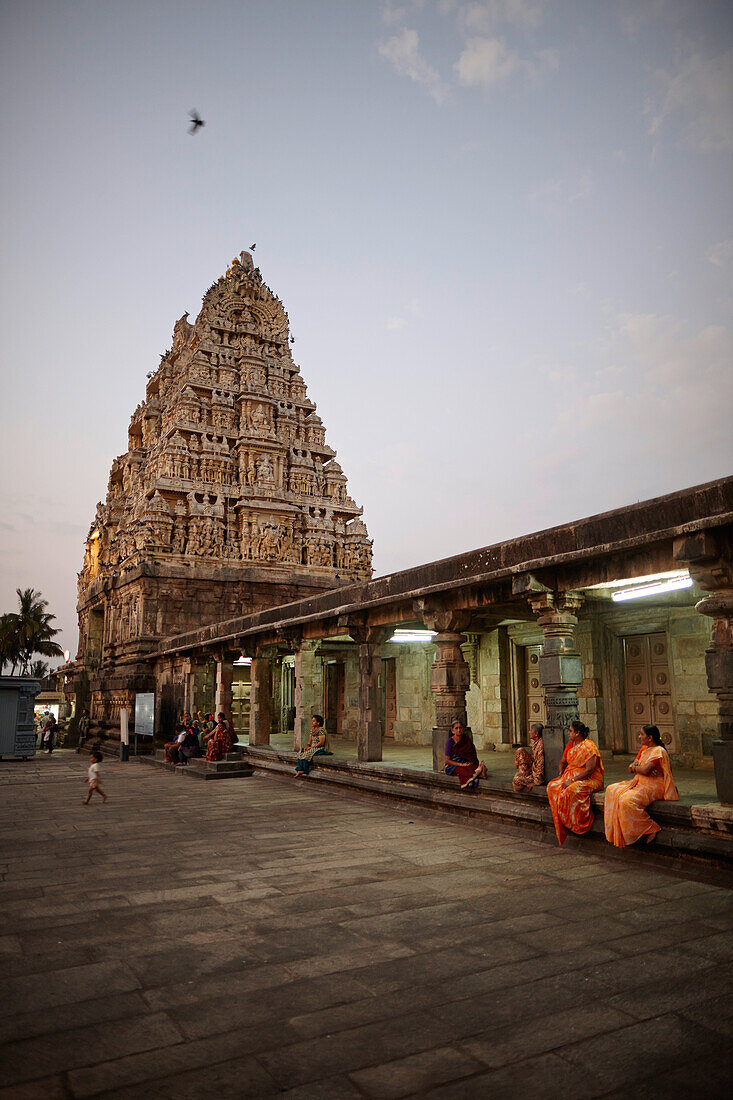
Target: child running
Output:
[{"x": 93, "y": 778}]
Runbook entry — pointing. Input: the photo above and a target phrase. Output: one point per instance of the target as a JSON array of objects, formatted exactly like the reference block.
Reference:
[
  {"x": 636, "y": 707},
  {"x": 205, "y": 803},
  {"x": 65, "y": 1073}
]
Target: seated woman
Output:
[
  {"x": 624, "y": 810},
  {"x": 317, "y": 746},
  {"x": 218, "y": 742},
  {"x": 530, "y": 763},
  {"x": 461, "y": 758},
  {"x": 581, "y": 773}
]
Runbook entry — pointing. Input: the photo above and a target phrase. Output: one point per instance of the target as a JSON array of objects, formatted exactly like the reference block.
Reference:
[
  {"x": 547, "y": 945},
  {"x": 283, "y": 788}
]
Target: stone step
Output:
[{"x": 204, "y": 769}]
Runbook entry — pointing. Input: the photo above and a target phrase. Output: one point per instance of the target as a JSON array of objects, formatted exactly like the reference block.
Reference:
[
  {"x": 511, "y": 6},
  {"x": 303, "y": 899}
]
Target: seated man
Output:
[
  {"x": 461, "y": 758},
  {"x": 172, "y": 747}
]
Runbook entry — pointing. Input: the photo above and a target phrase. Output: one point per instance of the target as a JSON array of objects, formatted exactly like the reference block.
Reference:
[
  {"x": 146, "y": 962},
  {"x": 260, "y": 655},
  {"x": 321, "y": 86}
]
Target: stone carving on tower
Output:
[{"x": 227, "y": 471}]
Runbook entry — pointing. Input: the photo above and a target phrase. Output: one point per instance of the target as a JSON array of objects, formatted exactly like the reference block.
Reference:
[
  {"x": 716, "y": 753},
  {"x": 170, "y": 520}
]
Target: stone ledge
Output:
[
  {"x": 204, "y": 769},
  {"x": 683, "y": 840}
]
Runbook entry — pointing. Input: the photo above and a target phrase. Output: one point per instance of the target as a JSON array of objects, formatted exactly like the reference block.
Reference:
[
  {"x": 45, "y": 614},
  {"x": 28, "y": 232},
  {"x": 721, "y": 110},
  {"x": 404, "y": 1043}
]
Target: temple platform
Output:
[
  {"x": 693, "y": 831},
  {"x": 232, "y": 767}
]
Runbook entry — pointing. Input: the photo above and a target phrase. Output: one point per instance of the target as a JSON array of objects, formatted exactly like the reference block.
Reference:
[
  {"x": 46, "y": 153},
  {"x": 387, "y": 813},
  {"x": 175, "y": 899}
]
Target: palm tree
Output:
[
  {"x": 30, "y": 631},
  {"x": 9, "y": 649},
  {"x": 39, "y": 670}
]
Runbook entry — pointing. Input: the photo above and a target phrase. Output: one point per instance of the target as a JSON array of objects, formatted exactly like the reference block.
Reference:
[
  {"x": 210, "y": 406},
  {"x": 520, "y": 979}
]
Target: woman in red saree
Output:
[
  {"x": 581, "y": 773},
  {"x": 624, "y": 812},
  {"x": 219, "y": 741},
  {"x": 461, "y": 758}
]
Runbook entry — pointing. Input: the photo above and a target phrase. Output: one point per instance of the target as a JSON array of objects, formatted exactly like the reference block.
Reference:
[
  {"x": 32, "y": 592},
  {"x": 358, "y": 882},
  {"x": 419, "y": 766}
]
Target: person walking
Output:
[{"x": 94, "y": 778}]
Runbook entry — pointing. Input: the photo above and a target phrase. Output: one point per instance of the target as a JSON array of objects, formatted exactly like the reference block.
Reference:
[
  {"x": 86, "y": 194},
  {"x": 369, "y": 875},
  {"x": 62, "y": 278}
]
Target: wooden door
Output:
[
  {"x": 534, "y": 696},
  {"x": 389, "y": 668},
  {"x": 240, "y": 700},
  {"x": 648, "y": 695}
]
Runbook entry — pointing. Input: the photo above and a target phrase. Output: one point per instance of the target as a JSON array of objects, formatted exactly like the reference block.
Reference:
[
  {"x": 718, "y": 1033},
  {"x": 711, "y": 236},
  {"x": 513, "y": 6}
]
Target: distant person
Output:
[
  {"x": 530, "y": 763},
  {"x": 461, "y": 758},
  {"x": 83, "y": 729},
  {"x": 94, "y": 778},
  {"x": 624, "y": 810},
  {"x": 221, "y": 717},
  {"x": 50, "y": 730},
  {"x": 171, "y": 747},
  {"x": 317, "y": 746},
  {"x": 581, "y": 773},
  {"x": 218, "y": 742}
]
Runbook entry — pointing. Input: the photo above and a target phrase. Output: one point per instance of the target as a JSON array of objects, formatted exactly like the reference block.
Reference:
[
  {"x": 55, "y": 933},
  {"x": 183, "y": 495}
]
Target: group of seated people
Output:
[
  {"x": 580, "y": 775},
  {"x": 206, "y": 736}
]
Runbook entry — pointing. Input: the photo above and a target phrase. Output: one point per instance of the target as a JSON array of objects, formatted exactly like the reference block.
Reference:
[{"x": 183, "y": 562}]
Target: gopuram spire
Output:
[{"x": 227, "y": 479}]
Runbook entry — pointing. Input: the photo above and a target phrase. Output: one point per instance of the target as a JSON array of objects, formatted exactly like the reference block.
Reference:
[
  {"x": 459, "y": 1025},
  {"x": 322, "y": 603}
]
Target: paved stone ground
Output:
[{"x": 265, "y": 937}]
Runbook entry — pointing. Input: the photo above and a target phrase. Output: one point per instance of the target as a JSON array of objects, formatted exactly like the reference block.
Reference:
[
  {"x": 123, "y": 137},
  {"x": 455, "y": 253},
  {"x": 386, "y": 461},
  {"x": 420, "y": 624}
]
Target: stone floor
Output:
[
  {"x": 695, "y": 786},
  {"x": 266, "y": 937}
]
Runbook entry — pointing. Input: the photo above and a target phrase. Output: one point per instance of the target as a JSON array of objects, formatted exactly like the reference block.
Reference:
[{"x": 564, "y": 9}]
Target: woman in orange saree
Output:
[
  {"x": 624, "y": 813},
  {"x": 581, "y": 773}
]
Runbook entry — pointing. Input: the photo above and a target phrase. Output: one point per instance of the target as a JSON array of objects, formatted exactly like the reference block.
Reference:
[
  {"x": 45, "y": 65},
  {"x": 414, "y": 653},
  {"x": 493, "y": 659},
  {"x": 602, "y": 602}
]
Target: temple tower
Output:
[{"x": 227, "y": 500}]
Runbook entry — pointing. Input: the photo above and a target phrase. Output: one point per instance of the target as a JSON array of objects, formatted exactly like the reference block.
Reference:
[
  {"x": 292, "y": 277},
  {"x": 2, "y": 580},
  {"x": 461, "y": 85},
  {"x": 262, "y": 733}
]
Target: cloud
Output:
[
  {"x": 411, "y": 310},
  {"x": 397, "y": 13},
  {"x": 555, "y": 195},
  {"x": 485, "y": 62},
  {"x": 697, "y": 98},
  {"x": 655, "y": 394},
  {"x": 721, "y": 254},
  {"x": 402, "y": 51},
  {"x": 482, "y": 16}
]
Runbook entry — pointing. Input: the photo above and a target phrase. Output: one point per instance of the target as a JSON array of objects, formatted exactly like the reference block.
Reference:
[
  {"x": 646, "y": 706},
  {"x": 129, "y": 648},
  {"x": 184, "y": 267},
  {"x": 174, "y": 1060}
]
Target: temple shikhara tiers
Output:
[{"x": 227, "y": 500}]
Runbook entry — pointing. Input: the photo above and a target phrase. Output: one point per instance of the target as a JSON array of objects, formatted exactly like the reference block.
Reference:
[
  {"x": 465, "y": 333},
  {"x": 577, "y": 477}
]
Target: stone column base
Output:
[
  {"x": 554, "y": 745},
  {"x": 723, "y": 760}
]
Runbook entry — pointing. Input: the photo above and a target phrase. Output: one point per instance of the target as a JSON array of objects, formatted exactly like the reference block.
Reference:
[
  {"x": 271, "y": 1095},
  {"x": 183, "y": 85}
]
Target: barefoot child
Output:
[{"x": 93, "y": 779}]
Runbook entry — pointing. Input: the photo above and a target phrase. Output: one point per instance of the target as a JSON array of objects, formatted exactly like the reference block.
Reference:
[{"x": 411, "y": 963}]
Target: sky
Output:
[{"x": 501, "y": 228}]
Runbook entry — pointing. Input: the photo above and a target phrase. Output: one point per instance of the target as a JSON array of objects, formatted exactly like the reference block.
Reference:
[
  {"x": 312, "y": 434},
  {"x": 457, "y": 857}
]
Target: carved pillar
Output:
[
  {"x": 710, "y": 561},
  {"x": 369, "y": 732},
  {"x": 260, "y": 701},
  {"x": 561, "y": 669},
  {"x": 305, "y": 701},
  {"x": 223, "y": 699},
  {"x": 450, "y": 677}
]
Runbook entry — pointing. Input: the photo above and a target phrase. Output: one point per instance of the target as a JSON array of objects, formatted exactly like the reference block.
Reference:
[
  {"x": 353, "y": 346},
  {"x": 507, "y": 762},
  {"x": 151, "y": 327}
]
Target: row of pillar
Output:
[{"x": 560, "y": 667}]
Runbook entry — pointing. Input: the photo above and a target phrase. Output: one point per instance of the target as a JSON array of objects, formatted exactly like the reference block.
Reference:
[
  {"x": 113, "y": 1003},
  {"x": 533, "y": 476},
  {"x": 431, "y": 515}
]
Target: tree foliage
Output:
[{"x": 26, "y": 632}]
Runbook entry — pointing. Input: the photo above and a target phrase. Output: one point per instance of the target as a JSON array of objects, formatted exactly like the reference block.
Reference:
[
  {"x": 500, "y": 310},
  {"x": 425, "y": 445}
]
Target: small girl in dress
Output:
[{"x": 93, "y": 778}]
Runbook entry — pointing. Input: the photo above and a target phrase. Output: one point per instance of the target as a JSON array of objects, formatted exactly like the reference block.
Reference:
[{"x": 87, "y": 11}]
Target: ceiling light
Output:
[
  {"x": 413, "y": 636},
  {"x": 652, "y": 589}
]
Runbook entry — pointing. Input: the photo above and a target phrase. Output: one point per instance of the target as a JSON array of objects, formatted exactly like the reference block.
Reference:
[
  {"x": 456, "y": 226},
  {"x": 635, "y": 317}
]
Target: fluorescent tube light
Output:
[
  {"x": 652, "y": 589},
  {"x": 413, "y": 636}
]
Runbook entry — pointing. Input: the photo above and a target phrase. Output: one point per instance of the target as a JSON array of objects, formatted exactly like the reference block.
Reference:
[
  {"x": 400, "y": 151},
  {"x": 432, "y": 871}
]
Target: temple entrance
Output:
[
  {"x": 389, "y": 694},
  {"x": 335, "y": 695},
  {"x": 287, "y": 697},
  {"x": 648, "y": 696},
  {"x": 534, "y": 696}
]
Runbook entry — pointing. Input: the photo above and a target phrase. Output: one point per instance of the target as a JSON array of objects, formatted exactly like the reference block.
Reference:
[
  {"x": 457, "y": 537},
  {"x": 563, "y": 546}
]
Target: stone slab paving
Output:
[{"x": 265, "y": 937}]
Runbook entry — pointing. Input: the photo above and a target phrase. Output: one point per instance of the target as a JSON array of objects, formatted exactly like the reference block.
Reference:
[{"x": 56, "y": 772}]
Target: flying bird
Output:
[
  {"x": 292, "y": 339},
  {"x": 252, "y": 247},
  {"x": 196, "y": 122}
]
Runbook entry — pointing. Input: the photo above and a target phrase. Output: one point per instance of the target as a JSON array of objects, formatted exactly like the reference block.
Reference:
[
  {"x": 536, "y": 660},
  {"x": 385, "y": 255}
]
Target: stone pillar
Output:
[
  {"x": 260, "y": 701},
  {"x": 305, "y": 701},
  {"x": 223, "y": 698},
  {"x": 450, "y": 678},
  {"x": 710, "y": 561},
  {"x": 369, "y": 642},
  {"x": 561, "y": 669}
]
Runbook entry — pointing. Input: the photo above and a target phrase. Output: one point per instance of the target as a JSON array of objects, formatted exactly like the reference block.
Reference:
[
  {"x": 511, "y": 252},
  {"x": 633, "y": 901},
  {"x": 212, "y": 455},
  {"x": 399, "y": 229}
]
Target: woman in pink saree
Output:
[{"x": 624, "y": 810}]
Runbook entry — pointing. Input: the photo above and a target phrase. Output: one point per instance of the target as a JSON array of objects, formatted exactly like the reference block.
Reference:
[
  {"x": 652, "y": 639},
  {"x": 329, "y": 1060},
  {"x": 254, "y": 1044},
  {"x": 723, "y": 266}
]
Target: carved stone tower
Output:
[{"x": 228, "y": 499}]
